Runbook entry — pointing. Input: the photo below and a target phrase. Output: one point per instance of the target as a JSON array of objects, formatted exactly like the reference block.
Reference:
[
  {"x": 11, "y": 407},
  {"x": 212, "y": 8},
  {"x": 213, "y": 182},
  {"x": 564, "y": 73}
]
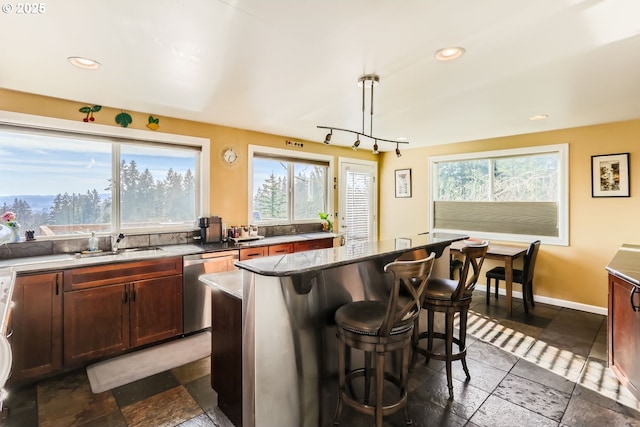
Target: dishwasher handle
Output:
[{"x": 188, "y": 260}]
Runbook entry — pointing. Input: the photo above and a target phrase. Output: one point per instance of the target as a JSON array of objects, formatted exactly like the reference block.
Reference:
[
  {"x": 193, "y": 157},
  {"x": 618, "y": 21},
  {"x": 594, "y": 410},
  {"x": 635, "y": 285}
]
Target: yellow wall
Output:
[
  {"x": 597, "y": 226},
  {"x": 228, "y": 189}
]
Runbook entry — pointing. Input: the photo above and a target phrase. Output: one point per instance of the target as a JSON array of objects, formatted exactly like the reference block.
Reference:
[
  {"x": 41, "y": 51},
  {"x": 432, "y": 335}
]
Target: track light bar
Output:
[{"x": 365, "y": 81}]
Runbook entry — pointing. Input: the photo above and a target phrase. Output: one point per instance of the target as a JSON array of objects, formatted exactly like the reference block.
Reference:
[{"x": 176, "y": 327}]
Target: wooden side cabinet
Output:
[
  {"x": 37, "y": 325},
  {"x": 226, "y": 353},
  {"x": 624, "y": 332}
]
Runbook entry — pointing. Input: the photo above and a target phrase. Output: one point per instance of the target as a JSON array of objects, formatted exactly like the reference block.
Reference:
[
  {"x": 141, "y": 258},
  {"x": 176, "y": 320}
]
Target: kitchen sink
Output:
[{"x": 123, "y": 252}]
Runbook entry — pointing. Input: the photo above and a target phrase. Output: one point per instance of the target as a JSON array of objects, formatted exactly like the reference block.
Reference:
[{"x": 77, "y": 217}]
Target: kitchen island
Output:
[{"x": 289, "y": 356}]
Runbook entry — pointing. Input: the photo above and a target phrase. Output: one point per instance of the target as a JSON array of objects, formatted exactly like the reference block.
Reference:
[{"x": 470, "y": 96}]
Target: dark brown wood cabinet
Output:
[
  {"x": 284, "y": 248},
  {"x": 96, "y": 323},
  {"x": 309, "y": 245},
  {"x": 624, "y": 332},
  {"x": 226, "y": 353},
  {"x": 250, "y": 253},
  {"x": 111, "y": 308},
  {"x": 36, "y": 342},
  {"x": 155, "y": 310}
]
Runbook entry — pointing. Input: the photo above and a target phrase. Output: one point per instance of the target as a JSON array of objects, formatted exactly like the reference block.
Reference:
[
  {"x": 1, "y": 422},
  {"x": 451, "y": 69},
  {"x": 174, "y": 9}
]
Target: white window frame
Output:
[
  {"x": 294, "y": 155},
  {"x": 563, "y": 191},
  {"x": 125, "y": 135}
]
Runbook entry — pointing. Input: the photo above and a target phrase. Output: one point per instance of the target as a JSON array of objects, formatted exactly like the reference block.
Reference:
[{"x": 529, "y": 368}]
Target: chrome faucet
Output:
[{"x": 115, "y": 241}]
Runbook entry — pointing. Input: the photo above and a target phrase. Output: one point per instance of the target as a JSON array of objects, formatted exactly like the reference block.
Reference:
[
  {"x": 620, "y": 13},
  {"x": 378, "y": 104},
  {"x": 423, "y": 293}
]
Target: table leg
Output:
[{"x": 508, "y": 275}]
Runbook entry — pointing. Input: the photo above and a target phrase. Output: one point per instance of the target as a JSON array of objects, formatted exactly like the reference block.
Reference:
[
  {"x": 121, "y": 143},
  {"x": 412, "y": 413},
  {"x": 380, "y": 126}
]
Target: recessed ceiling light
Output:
[
  {"x": 86, "y": 63},
  {"x": 538, "y": 117},
  {"x": 449, "y": 53}
]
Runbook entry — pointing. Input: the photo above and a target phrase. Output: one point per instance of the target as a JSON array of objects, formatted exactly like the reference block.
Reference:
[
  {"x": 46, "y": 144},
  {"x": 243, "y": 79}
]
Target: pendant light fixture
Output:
[{"x": 367, "y": 81}]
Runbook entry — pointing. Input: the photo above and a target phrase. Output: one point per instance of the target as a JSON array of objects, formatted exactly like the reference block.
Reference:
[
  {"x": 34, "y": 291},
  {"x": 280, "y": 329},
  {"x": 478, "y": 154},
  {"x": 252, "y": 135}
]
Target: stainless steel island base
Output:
[{"x": 289, "y": 355}]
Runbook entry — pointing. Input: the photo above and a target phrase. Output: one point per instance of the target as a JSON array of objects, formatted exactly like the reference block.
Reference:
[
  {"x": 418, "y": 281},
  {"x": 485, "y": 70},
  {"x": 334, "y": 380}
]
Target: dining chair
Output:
[
  {"x": 524, "y": 276},
  {"x": 381, "y": 327},
  {"x": 450, "y": 297}
]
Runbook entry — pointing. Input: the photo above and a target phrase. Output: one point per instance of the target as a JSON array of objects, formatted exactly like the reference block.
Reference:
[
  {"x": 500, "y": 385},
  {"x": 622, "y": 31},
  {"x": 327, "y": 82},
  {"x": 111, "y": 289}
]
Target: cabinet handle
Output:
[
  {"x": 253, "y": 254},
  {"x": 126, "y": 296},
  {"x": 633, "y": 306},
  {"x": 133, "y": 295},
  {"x": 57, "y": 284}
]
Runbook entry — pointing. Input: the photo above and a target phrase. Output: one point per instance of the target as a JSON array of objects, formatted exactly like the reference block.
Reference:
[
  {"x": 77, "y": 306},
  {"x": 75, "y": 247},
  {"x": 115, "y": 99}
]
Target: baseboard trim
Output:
[{"x": 554, "y": 301}]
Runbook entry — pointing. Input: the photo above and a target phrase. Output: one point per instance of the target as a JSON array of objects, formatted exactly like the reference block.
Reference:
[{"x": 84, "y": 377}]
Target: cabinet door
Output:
[
  {"x": 156, "y": 309},
  {"x": 250, "y": 253},
  {"x": 624, "y": 333},
  {"x": 96, "y": 323},
  {"x": 37, "y": 325}
]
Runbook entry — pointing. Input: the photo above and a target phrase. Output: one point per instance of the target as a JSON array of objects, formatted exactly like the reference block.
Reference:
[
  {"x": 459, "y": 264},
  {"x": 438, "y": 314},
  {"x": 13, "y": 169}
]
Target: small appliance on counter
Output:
[{"x": 210, "y": 229}]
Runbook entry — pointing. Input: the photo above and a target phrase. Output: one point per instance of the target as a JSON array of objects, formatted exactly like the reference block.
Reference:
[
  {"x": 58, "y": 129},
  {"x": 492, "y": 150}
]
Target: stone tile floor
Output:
[{"x": 547, "y": 368}]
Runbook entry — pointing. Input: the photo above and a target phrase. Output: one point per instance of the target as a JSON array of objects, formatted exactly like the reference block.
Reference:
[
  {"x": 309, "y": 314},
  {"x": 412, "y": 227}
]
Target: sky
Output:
[{"x": 50, "y": 165}]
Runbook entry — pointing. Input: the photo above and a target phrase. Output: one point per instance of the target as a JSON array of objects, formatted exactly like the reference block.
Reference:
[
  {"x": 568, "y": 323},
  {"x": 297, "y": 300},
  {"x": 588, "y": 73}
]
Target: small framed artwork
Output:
[
  {"x": 403, "y": 243},
  {"x": 403, "y": 182},
  {"x": 610, "y": 175}
]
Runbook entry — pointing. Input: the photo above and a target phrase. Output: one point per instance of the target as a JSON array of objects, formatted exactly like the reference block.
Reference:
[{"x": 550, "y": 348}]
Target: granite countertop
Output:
[
  {"x": 229, "y": 282},
  {"x": 310, "y": 261},
  {"x": 626, "y": 263},
  {"x": 63, "y": 261}
]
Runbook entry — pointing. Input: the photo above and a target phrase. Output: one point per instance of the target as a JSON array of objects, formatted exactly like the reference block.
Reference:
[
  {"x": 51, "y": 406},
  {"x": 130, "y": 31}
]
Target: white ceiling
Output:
[{"x": 286, "y": 66}]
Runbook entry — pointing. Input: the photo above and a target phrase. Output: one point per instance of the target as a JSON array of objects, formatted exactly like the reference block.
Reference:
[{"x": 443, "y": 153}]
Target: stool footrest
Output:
[{"x": 429, "y": 354}]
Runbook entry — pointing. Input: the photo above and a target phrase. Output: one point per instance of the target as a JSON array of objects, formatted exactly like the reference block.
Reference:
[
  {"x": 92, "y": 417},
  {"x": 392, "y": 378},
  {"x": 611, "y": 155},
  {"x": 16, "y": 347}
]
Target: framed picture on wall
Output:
[
  {"x": 403, "y": 182},
  {"x": 610, "y": 175}
]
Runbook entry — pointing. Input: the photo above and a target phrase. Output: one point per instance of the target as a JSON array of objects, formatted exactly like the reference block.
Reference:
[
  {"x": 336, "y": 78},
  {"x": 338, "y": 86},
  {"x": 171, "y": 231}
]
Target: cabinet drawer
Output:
[
  {"x": 250, "y": 253},
  {"x": 313, "y": 244},
  {"x": 109, "y": 274},
  {"x": 285, "y": 248}
]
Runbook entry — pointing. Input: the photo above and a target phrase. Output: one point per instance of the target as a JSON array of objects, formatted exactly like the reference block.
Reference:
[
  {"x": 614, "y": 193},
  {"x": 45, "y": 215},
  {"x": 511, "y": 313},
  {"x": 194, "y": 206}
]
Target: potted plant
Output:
[{"x": 327, "y": 225}]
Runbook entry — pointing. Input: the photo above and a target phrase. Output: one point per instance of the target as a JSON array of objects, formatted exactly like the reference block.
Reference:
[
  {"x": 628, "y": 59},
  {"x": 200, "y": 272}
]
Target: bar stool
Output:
[
  {"x": 381, "y": 327},
  {"x": 450, "y": 297}
]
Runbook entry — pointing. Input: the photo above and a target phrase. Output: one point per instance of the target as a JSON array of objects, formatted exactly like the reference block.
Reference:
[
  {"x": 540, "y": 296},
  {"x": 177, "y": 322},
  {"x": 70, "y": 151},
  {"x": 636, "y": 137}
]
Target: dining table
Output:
[{"x": 505, "y": 253}]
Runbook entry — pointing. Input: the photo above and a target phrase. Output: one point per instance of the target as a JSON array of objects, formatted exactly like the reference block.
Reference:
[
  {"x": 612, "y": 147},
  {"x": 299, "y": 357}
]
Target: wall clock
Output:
[{"x": 230, "y": 156}]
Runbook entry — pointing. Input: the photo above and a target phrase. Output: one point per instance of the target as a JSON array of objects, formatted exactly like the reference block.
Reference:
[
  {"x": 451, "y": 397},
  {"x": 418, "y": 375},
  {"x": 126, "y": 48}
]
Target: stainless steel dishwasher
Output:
[{"x": 196, "y": 310}]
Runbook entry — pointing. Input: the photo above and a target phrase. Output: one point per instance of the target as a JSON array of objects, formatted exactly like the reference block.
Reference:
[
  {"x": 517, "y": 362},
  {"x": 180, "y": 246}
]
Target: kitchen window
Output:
[
  {"x": 288, "y": 187},
  {"x": 517, "y": 194},
  {"x": 65, "y": 179}
]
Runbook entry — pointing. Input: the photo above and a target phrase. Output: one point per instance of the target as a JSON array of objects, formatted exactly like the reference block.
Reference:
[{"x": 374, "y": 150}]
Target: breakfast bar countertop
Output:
[
  {"x": 626, "y": 263},
  {"x": 313, "y": 261}
]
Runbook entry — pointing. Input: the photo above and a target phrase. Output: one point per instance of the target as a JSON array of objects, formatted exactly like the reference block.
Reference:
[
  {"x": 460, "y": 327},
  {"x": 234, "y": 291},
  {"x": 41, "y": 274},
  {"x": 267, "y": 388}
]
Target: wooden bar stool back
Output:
[
  {"x": 450, "y": 297},
  {"x": 381, "y": 327}
]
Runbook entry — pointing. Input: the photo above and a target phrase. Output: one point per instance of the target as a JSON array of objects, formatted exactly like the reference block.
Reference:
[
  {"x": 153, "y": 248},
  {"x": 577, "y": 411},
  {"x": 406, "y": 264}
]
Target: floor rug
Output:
[{"x": 131, "y": 367}]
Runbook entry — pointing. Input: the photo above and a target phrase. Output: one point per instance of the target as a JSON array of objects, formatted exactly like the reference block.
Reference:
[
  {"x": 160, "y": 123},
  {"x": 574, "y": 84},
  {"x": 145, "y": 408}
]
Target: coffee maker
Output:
[{"x": 210, "y": 229}]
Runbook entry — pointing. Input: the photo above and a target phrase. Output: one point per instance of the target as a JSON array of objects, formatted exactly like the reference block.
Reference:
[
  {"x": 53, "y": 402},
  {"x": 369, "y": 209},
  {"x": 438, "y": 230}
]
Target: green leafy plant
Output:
[{"x": 328, "y": 225}]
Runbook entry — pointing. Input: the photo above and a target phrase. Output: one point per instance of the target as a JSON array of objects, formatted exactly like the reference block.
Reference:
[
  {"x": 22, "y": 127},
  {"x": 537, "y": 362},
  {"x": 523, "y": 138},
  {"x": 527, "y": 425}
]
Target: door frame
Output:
[{"x": 342, "y": 162}]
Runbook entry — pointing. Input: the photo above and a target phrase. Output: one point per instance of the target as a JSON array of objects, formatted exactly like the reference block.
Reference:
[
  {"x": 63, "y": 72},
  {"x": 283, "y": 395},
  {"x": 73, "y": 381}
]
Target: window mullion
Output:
[{"x": 116, "y": 221}]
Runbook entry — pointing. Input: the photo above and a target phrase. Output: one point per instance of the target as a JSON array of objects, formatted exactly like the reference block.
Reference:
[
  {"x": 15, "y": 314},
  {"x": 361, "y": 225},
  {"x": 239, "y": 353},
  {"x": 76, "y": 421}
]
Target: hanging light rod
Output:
[{"x": 365, "y": 81}]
